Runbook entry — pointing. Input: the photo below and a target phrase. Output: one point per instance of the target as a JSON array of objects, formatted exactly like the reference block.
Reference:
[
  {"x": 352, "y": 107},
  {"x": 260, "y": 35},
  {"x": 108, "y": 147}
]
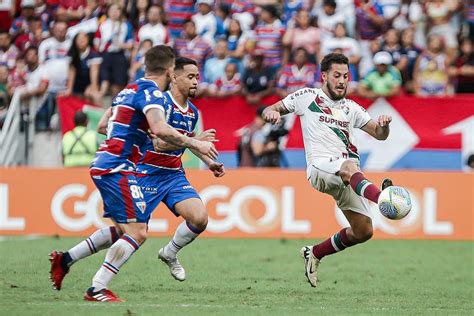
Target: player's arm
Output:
[
  {"x": 380, "y": 129},
  {"x": 161, "y": 145},
  {"x": 217, "y": 168},
  {"x": 272, "y": 114},
  {"x": 159, "y": 127},
  {"x": 102, "y": 126}
]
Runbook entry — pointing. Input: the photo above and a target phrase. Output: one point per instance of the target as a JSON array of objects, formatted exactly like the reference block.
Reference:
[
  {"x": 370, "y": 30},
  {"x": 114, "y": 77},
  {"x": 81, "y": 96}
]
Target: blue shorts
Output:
[
  {"x": 167, "y": 188},
  {"x": 123, "y": 198}
]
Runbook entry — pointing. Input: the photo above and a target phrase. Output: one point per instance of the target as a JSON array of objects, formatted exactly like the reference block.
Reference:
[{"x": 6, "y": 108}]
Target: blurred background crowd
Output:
[{"x": 254, "y": 48}]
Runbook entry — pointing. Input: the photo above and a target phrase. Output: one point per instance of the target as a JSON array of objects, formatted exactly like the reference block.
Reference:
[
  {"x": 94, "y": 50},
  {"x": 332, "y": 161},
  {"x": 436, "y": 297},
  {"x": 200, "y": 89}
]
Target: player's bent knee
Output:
[
  {"x": 362, "y": 235},
  {"x": 200, "y": 221}
]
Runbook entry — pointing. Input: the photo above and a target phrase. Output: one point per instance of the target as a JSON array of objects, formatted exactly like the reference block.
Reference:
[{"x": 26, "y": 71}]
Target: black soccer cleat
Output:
[{"x": 386, "y": 183}]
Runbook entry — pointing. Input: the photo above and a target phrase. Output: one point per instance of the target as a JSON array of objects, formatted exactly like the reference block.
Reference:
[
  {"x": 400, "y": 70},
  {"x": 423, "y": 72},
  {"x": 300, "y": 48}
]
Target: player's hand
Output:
[
  {"x": 384, "y": 120},
  {"x": 208, "y": 135},
  {"x": 271, "y": 116},
  {"x": 217, "y": 168},
  {"x": 208, "y": 149}
]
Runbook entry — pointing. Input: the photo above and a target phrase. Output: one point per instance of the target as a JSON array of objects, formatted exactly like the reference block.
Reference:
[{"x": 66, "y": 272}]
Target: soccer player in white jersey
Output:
[{"x": 327, "y": 122}]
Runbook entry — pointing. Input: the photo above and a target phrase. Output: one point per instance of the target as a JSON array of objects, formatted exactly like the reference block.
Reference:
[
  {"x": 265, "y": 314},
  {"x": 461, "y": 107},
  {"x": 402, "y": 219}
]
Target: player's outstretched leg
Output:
[
  {"x": 351, "y": 174},
  {"x": 61, "y": 261},
  {"x": 195, "y": 215},
  {"x": 115, "y": 258}
]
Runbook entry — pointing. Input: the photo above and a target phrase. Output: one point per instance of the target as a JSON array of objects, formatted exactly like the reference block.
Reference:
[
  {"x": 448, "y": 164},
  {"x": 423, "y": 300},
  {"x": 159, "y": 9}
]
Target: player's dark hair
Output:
[
  {"x": 333, "y": 58},
  {"x": 183, "y": 61},
  {"x": 158, "y": 59},
  {"x": 80, "y": 118}
]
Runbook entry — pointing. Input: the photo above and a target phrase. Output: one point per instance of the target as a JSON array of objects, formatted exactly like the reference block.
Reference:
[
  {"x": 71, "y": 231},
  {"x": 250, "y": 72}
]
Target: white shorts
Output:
[{"x": 322, "y": 176}]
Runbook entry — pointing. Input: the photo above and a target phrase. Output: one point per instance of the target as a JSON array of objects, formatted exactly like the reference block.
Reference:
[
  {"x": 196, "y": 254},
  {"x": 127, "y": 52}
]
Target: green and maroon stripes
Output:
[
  {"x": 361, "y": 186},
  {"x": 337, "y": 242}
]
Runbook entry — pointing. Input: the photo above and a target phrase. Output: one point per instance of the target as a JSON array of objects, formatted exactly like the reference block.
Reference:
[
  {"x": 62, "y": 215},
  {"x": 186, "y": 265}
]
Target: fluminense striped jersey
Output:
[
  {"x": 127, "y": 128},
  {"x": 327, "y": 125},
  {"x": 184, "y": 120}
]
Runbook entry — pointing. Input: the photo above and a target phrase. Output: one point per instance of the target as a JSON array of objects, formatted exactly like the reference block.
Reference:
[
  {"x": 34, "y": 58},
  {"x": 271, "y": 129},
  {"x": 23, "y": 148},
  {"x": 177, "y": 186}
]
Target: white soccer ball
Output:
[{"x": 394, "y": 202}]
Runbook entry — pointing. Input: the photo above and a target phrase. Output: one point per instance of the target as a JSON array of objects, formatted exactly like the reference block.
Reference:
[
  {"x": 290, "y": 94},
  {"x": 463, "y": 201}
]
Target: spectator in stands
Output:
[
  {"x": 349, "y": 46},
  {"x": 137, "y": 68},
  {"x": 384, "y": 81},
  {"x": 178, "y": 12},
  {"x": 236, "y": 40},
  {"x": 410, "y": 14},
  {"x": 83, "y": 77},
  {"x": 20, "y": 24},
  {"x": 154, "y": 30},
  {"x": 328, "y": 18},
  {"x": 223, "y": 18},
  {"x": 227, "y": 85},
  {"x": 36, "y": 85},
  {"x": 53, "y": 56},
  {"x": 71, "y": 11},
  {"x": 8, "y": 51},
  {"x": 268, "y": 37},
  {"x": 114, "y": 39},
  {"x": 299, "y": 74},
  {"x": 392, "y": 46},
  {"x": 79, "y": 144},
  {"x": 439, "y": 13},
  {"x": 191, "y": 45},
  {"x": 258, "y": 80},
  {"x": 34, "y": 36},
  {"x": 369, "y": 26},
  {"x": 139, "y": 13},
  {"x": 411, "y": 52},
  {"x": 243, "y": 11},
  {"x": 214, "y": 66},
  {"x": 462, "y": 70},
  {"x": 302, "y": 34},
  {"x": 205, "y": 20},
  {"x": 291, "y": 8},
  {"x": 18, "y": 75},
  {"x": 430, "y": 74}
]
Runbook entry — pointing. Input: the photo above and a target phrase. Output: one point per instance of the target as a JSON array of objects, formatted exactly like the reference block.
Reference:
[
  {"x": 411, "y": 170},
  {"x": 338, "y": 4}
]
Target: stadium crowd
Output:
[{"x": 93, "y": 48}]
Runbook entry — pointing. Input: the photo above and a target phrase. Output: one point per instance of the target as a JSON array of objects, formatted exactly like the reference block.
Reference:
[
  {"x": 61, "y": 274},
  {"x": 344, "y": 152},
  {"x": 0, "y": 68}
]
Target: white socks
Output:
[
  {"x": 100, "y": 239},
  {"x": 116, "y": 256},
  {"x": 185, "y": 234}
]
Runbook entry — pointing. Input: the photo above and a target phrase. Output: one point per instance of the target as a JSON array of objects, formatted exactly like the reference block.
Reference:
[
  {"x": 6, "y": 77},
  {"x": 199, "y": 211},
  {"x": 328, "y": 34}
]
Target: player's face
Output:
[
  {"x": 186, "y": 80},
  {"x": 336, "y": 79}
]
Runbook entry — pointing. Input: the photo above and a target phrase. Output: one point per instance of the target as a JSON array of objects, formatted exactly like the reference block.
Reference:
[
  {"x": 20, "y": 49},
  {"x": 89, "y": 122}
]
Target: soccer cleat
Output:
[
  {"x": 57, "y": 272},
  {"x": 176, "y": 269},
  {"x": 311, "y": 264},
  {"x": 103, "y": 295},
  {"x": 386, "y": 183}
]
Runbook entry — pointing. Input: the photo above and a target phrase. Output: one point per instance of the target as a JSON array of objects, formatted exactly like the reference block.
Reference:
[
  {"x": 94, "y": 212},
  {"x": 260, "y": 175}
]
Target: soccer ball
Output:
[{"x": 394, "y": 202}]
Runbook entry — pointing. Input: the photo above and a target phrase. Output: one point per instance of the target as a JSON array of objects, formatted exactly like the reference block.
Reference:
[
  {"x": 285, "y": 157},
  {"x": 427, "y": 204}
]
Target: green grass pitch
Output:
[{"x": 248, "y": 277}]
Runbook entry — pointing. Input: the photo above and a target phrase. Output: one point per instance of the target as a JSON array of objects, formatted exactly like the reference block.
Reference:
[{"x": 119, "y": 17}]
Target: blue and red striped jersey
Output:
[
  {"x": 184, "y": 120},
  {"x": 127, "y": 128}
]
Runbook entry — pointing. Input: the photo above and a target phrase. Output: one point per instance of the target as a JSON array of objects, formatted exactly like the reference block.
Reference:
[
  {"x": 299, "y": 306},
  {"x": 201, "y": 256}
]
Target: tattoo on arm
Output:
[{"x": 280, "y": 107}]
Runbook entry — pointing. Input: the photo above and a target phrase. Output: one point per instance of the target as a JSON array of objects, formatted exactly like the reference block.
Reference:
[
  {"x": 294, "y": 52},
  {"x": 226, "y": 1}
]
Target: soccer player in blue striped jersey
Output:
[
  {"x": 163, "y": 178},
  {"x": 134, "y": 112}
]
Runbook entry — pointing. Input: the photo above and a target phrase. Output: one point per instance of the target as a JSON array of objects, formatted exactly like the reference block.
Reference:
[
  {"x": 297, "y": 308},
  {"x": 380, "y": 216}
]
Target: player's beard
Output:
[
  {"x": 334, "y": 94},
  {"x": 192, "y": 93}
]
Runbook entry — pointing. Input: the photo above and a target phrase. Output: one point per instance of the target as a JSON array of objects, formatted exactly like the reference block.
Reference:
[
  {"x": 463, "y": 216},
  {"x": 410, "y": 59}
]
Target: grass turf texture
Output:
[{"x": 244, "y": 276}]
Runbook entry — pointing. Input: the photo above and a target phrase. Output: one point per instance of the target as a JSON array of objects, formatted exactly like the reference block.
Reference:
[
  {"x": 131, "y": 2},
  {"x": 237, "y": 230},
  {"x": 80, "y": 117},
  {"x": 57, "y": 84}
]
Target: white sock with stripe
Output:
[
  {"x": 116, "y": 256},
  {"x": 184, "y": 235},
  {"x": 100, "y": 239}
]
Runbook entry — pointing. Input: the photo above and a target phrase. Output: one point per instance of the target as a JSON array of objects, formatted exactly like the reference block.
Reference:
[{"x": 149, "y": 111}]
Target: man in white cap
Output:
[
  {"x": 205, "y": 20},
  {"x": 383, "y": 81}
]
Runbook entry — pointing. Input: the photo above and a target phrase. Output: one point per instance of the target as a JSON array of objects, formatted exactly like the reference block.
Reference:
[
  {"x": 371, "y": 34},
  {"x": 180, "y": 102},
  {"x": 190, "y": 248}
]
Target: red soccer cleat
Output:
[
  {"x": 103, "y": 295},
  {"x": 57, "y": 272}
]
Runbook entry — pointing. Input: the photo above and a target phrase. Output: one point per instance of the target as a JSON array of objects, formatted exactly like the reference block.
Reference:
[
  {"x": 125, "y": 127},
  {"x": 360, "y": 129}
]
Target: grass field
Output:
[{"x": 248, "y": 277}]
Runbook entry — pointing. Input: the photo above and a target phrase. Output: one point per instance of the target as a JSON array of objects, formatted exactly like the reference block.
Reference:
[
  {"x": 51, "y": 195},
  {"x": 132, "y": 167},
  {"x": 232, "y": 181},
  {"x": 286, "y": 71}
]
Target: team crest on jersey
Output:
[
  {"x": 158, "y": 94},
  {"x": 345, "y": 109},
  {"x": 141, "y": 206}
]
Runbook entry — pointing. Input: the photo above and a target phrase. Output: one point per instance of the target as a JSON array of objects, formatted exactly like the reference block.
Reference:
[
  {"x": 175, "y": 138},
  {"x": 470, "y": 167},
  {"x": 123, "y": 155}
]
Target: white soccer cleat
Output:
[
  {"x": 311, "y": 264},
  {"x": 176, "y": 269}
]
